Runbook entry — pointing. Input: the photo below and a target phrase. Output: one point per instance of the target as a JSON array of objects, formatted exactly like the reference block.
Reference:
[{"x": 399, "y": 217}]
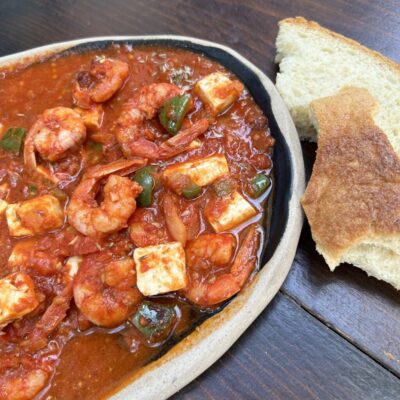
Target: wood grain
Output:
[
  {"x": 249, "y": 27},
  {"x": 291, "y": 355},
  {"x": 361, "y": 309}
]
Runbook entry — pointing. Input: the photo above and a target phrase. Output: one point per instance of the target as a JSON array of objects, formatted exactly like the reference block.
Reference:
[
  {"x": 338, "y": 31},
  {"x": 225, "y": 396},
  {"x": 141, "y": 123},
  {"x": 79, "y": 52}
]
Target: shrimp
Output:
[
  {"x": 130, "y": 126},
  {"x": 105, "y": 289},
  {"x": 118, "y": 205},
  {"x": 100, "y": 83},
  {"x": 54, "y": 133},
  {"x": 213, "y": 251},
  {"x": 22, "y": 383},
  {"x": 57, "y": 310},
  {"x": 146, "y": 228}
]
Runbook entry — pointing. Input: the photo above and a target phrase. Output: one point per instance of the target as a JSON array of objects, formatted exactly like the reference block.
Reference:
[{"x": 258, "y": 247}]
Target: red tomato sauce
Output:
[{"x": 77, "y": 358}]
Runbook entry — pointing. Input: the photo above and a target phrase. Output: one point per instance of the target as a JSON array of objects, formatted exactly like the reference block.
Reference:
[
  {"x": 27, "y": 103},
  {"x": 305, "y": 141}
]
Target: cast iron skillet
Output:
[{"x": 196, "y": 352}]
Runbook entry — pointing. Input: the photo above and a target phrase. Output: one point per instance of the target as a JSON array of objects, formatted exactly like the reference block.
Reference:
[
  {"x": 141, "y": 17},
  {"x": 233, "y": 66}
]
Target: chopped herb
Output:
[
  {"x": 59, "y": 194},
  {"x": 224, "y": 187},
  {"x": 177, "y": 76},
  {"x": 94, "y": 152},
  {"x": 32, "y": 190}
]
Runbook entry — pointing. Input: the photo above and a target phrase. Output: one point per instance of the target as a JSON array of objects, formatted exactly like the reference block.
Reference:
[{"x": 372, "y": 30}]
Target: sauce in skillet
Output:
[{"x": 79, "y": 357}]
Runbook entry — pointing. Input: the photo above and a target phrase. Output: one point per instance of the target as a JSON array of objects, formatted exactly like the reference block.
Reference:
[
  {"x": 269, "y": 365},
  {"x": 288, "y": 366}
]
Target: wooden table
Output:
[{"x": 326, "y": 335}]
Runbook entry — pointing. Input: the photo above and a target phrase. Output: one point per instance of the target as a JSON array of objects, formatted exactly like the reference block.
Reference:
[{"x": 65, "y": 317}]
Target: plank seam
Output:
[{"x": 332, "y": 328}]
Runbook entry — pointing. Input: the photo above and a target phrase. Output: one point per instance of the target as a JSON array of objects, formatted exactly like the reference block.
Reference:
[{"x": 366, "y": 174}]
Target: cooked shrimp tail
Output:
[
  {"x": 104, "y": 78},
  {"x": 57, "y": 131},
  {"x": 130, "y": 127},
  {"x": 50, "y": 320},
  {"x": 122, "y": 167},
  {"x": 181, "y": 141},
  {"x": 57, "y": 310},
  {"x": 29, "y": 147},
  {"x": 227, "y": 285},
  {"x": 105, "y": 289},
  {"x": 215, "y": 250},
  {"x": 119, "y": 203}
]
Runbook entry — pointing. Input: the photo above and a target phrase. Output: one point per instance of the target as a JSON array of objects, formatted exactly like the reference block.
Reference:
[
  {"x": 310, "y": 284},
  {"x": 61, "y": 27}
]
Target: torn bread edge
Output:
[
  {"x": 316, "y": 62},
  {"x": 376, "y": 247}
]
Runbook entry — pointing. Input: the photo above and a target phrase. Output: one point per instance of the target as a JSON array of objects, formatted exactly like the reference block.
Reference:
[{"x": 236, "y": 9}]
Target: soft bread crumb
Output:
[
  {"x": 316, "y": 62},
  {"x": 352, "y": 200}
]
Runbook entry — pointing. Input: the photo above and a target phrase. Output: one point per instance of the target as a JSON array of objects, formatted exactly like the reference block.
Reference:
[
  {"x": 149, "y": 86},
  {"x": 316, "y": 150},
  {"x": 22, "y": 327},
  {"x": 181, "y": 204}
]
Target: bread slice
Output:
[
  {"x": 352, "y": 200},
  {"x": 316, "y": 62}
]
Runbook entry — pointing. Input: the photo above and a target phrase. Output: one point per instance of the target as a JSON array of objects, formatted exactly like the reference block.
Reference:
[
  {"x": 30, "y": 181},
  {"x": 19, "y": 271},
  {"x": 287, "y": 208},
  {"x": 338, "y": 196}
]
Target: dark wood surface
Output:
[
  {"x": 288, "y": 354},
  {"x": 326, "y": 335}
]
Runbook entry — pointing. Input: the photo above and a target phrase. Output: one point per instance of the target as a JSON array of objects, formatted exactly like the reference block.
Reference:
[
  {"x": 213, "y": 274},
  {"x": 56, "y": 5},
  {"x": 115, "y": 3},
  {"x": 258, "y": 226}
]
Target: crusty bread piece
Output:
[
  {"x": 352, "y": 201},
  {"x": 316, "y": 62}
]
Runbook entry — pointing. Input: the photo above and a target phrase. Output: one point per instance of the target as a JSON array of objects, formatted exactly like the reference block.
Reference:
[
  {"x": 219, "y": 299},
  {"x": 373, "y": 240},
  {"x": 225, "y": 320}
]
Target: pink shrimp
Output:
[
  {"x": 104, "y": 78},
  {"x": 119, "y": 202},
  {"x": 211, "y": 252},
  {"x": 57, "y": 310},
  {"x": 130, "y": 127},
  {"x": 105, "y": 289},
  {"x": 147, "y": 228},
  {"x": 22, "y": 383},
  {"x": 55, "y": 132}
]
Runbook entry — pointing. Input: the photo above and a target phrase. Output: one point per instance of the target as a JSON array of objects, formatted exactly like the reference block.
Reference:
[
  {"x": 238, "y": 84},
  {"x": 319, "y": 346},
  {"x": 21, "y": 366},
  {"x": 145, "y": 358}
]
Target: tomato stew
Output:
[{"x": 133, "y": 190}]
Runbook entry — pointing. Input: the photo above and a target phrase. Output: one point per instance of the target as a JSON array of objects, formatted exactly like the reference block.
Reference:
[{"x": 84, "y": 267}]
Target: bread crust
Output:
[
  {"x": 312, "y": 25},
  {"x": 354, "y": 189}
]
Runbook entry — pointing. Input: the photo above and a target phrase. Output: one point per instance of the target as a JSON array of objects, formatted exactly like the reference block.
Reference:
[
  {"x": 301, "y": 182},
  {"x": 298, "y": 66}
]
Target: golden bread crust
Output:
[{"x": 354, "y": 189}]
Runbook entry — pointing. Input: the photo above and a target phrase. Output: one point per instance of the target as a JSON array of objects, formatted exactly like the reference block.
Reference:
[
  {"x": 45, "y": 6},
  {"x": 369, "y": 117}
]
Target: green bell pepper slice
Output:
[
  {"x": 32, "y": 190},
  {"x": 94, "y": 152},
  {"x": 13, "y": 139},
  {"x": 144, "y": 178},
  {"x": 154, "y": 320},
  {"x": 191, "y": 190},
  {"x": 259, "y": 184},
  {"x": 172, "y": 113}
]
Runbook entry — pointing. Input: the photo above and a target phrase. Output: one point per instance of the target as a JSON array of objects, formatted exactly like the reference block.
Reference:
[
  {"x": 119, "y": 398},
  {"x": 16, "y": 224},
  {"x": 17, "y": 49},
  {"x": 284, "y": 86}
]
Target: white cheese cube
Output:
[
  {"x": 218, "y": 91},
  {"x": 25, "y": 254},
  {"x": 17, "y": 297},
  {"x": 21, "y": 253},
  {"x": 35, "y": 216},
  {"x": 15, "y": 226},
  {"x": 202, "y": 171},
  {"x": 228, "y": 212},
  {"x": 160, "y": 269}
]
